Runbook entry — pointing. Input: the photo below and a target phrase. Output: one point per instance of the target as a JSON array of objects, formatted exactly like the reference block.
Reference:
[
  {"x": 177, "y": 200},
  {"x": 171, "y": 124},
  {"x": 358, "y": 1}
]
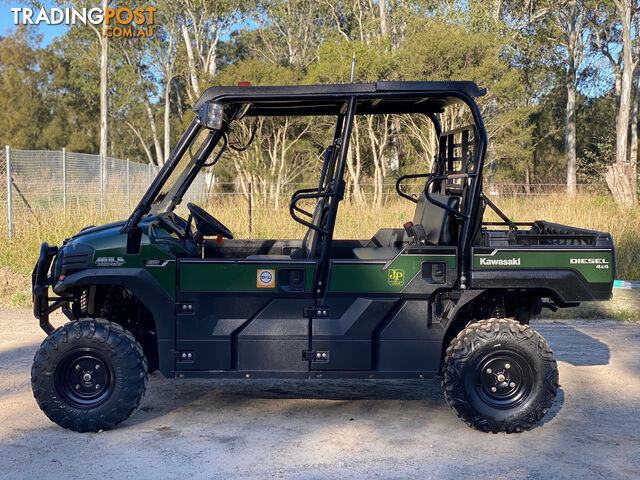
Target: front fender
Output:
[{"x": 147, "y": 290}]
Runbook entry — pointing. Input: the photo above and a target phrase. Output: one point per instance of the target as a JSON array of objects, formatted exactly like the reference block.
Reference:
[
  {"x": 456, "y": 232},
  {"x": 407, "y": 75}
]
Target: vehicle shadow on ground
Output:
[
  {"x": 212, "y": 394},
  {"x": 555, "y": 409},
  {"x": 573, "y": 346}
]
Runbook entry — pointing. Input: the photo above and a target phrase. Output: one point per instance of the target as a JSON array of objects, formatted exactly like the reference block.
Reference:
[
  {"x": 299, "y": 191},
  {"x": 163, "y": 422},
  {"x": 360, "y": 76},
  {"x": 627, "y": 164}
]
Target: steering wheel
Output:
[{"x": 206, "y": 224}]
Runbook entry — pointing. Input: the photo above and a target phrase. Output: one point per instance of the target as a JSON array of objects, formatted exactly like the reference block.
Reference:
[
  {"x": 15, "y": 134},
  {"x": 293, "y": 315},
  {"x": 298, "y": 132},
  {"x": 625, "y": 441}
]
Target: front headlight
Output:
[{"x": 211, "y": 115}]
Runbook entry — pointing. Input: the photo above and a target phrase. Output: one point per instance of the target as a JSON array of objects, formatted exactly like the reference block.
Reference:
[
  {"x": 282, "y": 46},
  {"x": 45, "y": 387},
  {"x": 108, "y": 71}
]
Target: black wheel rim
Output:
[
  {"x": 503, "y": 379},
  {"x": 84, "y": 379}
]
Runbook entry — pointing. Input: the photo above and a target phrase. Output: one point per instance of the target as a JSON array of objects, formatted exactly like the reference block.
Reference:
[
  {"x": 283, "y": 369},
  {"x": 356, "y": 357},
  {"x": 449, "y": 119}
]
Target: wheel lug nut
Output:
[
  {"x": 97, "y": 386},
  {"x": 507, "y": 366},
  {"x": 489, "y": 370},
  {"x": 78, "y": 387},
  {"x": 97, "y": 367},
  {"x": 512, "y": 384},
  {"x": 77, "y": 367},
  {"x": 494, "y": 389}
]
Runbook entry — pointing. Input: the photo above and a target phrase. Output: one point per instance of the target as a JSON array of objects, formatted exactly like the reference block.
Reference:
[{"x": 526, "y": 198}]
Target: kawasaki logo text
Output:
[{"x": 499, "y": 262}]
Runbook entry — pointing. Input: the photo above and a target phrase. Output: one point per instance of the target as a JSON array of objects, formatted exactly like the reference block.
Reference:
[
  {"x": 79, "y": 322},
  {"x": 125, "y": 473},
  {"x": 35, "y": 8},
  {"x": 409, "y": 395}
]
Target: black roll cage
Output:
[{"x": 331, "y": 185}]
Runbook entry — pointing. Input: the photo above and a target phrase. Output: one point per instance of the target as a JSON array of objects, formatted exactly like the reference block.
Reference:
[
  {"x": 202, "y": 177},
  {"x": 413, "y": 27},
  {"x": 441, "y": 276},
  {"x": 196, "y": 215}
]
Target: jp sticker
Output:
[
  {"x": 396, "y": 277},
  {"x": 266, "y": 279}
]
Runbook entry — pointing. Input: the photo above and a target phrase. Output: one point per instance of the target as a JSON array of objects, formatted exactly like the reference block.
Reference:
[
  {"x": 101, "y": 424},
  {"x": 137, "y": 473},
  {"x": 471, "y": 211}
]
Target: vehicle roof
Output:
[{"x": 374, "y": 98}]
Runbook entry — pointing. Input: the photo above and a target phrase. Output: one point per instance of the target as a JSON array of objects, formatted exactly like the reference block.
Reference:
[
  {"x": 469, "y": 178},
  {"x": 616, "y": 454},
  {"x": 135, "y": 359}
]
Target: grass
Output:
[
  {"x": 52, "y": 225},
  {"x": 624, "y": 306}
]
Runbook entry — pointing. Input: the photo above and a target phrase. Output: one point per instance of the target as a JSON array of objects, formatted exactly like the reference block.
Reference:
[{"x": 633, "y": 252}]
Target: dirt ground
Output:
[{"x": 334, "y": 429}]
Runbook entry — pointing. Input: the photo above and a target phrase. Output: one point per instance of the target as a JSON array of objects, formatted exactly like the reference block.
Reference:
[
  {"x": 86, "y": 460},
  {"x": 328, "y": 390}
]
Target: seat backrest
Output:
[{"x": 436, "y": 221}]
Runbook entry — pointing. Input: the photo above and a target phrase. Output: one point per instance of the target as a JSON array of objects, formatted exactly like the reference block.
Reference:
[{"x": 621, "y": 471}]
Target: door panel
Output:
[
  {"x": 275, "y": 338},
  {"x": 243, "y": 315},
  {"x": 379, "y": 318},
  {"x": 347, "y": 332}
]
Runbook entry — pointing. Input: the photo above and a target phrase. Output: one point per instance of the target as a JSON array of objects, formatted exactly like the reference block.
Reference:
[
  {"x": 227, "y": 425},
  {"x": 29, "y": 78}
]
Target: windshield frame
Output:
[
  {"x": 144, "y": 206},
  {"x": 168, "y": 201}
]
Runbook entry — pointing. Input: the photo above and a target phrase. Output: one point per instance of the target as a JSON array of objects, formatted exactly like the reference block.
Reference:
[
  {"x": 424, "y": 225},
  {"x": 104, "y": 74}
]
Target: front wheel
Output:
[
  {"x": 500, "y": 376},
  {"x": 89, "y": 375}
]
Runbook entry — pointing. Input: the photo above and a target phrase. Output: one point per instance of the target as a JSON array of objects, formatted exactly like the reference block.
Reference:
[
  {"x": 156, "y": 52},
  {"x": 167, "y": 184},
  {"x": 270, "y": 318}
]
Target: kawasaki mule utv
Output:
[{"x": 444, "y": 294}]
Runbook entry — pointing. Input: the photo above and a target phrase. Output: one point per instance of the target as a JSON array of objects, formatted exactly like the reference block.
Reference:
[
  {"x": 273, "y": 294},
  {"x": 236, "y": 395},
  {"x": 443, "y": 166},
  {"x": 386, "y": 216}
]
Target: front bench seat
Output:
[{"x": 310, "y": 242}]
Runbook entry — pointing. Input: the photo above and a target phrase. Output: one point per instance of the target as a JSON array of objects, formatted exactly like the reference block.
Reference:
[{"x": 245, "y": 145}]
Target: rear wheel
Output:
[
  {"x": 89, "y": 375},
  {"x": 500, "y": 376}
]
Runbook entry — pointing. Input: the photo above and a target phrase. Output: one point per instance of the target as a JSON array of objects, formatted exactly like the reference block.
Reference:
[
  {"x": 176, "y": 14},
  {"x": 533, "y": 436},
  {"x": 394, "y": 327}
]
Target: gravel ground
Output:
[{"x": 335, "y": 429}]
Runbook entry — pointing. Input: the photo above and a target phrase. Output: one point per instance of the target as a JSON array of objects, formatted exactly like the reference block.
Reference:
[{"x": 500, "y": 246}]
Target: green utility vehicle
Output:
[{"x": 444, "y": 294}]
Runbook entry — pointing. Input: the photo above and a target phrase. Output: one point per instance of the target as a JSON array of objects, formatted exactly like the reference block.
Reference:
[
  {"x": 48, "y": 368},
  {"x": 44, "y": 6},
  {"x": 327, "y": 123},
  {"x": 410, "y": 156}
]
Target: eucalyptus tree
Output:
[
  {"x": 203, "y": 25},
  {"x": 614, "y": 36}
]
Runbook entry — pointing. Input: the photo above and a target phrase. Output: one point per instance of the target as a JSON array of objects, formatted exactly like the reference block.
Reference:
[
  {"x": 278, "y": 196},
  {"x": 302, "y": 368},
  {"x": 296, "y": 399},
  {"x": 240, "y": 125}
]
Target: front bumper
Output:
[{"x": 40, "y": 282}]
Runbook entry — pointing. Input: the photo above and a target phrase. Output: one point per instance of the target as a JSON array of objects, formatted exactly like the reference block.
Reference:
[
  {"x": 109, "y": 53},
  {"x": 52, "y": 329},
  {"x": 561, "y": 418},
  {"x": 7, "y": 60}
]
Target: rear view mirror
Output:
[{"x": 134, "y": 237}]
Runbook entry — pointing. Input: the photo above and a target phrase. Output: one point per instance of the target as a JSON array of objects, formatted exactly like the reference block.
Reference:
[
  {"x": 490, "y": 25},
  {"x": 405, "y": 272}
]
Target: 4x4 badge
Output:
[{"x": 395, "y": 277}]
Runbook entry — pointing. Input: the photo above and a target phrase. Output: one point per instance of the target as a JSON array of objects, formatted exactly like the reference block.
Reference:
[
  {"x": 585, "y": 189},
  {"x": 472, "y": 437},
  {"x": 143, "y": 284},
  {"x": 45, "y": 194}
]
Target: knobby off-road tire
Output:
[
  {"x": 500, "y": 376},
  {"x": 89, "y": 375}
]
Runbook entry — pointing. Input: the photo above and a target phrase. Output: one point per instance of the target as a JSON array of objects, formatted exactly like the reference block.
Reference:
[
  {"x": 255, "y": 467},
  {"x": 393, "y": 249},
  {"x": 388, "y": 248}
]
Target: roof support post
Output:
[{"x": 337, "y": 194}]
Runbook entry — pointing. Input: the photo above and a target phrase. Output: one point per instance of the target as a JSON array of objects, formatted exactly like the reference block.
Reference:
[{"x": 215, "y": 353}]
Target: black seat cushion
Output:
[{"x": 435, "y": 220}]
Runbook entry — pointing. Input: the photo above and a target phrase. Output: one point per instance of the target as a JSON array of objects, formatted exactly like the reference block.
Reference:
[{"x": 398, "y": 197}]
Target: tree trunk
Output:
[
  {"x": 167, "y": 118},
  {"x": 570, "y": 136},
  {"x": 144, "y": 145},
  {"x": 154, "y": 132},
  {"x": 622, "y": 123},
  {"x": 570, "y": 133},
  {"x": 178, "y": 100},
  {"x": 382, "y": 5},
  {"x": 633, "y": 148},
  {"x": 194, "y": 91},
  {"x": 396, "y": 145},
  {"x": 622, "y": 184},
  {"x": 104, "y": 52},
  {"x": 497, "y": 10},
  {"x": 620, "y": 176}
]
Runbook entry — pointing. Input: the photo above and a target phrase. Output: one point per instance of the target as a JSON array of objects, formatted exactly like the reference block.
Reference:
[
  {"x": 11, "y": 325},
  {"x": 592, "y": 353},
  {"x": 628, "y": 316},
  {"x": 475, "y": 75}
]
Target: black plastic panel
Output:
[
  {"x": 348, "y": 332},
  {"x": 275, "y": 338},
  {"x": 409, "y": 341}
]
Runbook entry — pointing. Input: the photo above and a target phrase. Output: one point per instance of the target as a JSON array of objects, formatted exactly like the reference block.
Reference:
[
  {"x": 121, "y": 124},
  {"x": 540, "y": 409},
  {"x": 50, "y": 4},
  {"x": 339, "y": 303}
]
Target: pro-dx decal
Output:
[{"x": 110, "y": 261}]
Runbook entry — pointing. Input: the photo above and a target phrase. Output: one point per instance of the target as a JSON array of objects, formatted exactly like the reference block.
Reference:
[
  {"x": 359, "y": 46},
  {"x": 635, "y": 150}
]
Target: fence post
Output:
[
  {"x": 101, "y": 184},
  {"x": 249, "y": 189},
  {"x": 9, "y": 219},
  {"x": 64, "y": 179},
  {"x": 128, "y": 189}
]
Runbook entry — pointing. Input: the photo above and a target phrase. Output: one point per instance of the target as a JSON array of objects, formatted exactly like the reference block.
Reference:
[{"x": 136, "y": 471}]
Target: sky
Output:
[{"x": 48, "y": 32}]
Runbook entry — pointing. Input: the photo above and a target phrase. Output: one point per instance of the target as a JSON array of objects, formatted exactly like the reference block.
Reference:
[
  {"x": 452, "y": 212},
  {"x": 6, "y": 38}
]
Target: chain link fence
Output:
[{"x": 36, "y": 180}]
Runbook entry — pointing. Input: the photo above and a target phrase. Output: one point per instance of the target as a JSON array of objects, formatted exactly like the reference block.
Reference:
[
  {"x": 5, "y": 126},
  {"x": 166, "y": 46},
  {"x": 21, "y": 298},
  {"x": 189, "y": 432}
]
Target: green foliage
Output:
[{"x": 21, "y": 84}]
